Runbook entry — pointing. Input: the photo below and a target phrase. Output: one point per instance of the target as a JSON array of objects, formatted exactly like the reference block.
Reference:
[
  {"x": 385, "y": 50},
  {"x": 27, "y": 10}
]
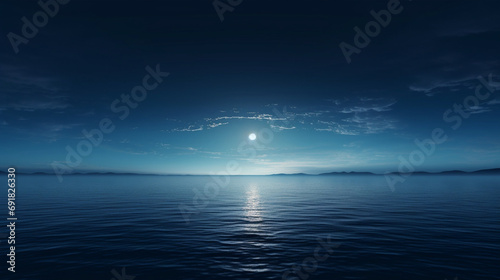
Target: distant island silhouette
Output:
[
  {"x": 449, "y": 172},
  {"x": 493, "y": 171}
]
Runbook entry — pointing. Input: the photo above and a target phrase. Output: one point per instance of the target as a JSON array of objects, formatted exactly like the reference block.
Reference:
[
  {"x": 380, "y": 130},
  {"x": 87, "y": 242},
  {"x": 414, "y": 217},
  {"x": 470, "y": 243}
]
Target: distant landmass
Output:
[
  {"x": 449, "y": 172},
  {"x": 493, "y": 171},
  {"x": 453, "y": 172},
  {"x": 348, "y": 173},
  {"x": 488, "y": 171}
]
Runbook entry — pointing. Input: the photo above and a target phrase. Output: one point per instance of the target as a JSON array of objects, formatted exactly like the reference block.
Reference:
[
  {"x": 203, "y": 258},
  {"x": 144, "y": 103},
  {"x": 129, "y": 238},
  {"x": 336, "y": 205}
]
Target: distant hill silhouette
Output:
[
  {"x": 493, "y": 171},
  {"x": 348, "y": 173},
  {"x": 455, "y": 172},
  {"x": 488, "y": 171}
]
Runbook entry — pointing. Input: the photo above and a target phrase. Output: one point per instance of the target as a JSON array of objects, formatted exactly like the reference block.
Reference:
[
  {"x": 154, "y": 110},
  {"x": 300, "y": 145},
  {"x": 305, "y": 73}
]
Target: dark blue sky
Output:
[{"x": 270, "y": 68}]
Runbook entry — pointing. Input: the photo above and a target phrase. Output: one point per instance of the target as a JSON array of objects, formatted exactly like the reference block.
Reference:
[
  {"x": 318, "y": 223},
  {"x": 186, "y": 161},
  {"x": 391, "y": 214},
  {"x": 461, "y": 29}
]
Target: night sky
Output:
[{"x": 274, "y": 68}]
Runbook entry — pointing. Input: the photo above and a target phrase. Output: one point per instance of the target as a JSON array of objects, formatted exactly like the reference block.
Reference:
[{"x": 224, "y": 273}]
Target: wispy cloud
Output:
[
  {"x": 371, "y": 124},
  {"x": 213, "y": 122},
  {"x": 279, "y": 127},
  {"x": 350, "y": 145},
  {"x": 478, "y": 110},
  {"x": 213, "y": 125},
  {"x": 338, "y": 129},
  {"x": 433, "y": 84},
  {"x": 59, "y": 127},
  {"x": 20, "y": 79},
  {"x": 445, "y": 72},
  {"x": 366, "y": 117},
  {"x": 347, "y": 117},
  {"x": 190, "y": 128},
  {"x": 25, "y": 91},
  {"x": 33, "y": 105},
  {"x": 268, "y": 117},
  {"x": 181, "y": 150},
  {"x": 367, "y": 105},
  {"x": 49, "y": 132}
]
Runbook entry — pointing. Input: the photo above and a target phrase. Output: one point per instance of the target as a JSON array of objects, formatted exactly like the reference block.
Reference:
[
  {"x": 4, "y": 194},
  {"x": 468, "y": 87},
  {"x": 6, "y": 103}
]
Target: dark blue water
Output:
[{"x": 336, "y": 227}]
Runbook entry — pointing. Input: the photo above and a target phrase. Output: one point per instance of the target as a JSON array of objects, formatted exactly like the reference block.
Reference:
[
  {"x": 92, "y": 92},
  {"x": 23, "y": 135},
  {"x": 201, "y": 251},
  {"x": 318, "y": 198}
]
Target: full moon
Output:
[{"x": 252, "y": 136}]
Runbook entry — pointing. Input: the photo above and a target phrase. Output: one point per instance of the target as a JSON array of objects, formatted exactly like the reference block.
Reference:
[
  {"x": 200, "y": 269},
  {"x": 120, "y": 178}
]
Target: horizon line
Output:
[{"x": 456, "y": 171}]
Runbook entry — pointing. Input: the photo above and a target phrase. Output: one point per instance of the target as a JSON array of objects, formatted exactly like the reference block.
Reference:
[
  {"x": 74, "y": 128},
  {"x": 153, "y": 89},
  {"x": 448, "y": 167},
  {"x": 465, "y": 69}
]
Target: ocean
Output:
[{"x": 140, "y": 227}]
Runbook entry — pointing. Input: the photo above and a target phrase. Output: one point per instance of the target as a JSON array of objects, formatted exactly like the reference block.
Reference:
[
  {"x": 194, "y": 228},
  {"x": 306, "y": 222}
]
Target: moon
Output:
[{"x": 252, "y": 136}]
